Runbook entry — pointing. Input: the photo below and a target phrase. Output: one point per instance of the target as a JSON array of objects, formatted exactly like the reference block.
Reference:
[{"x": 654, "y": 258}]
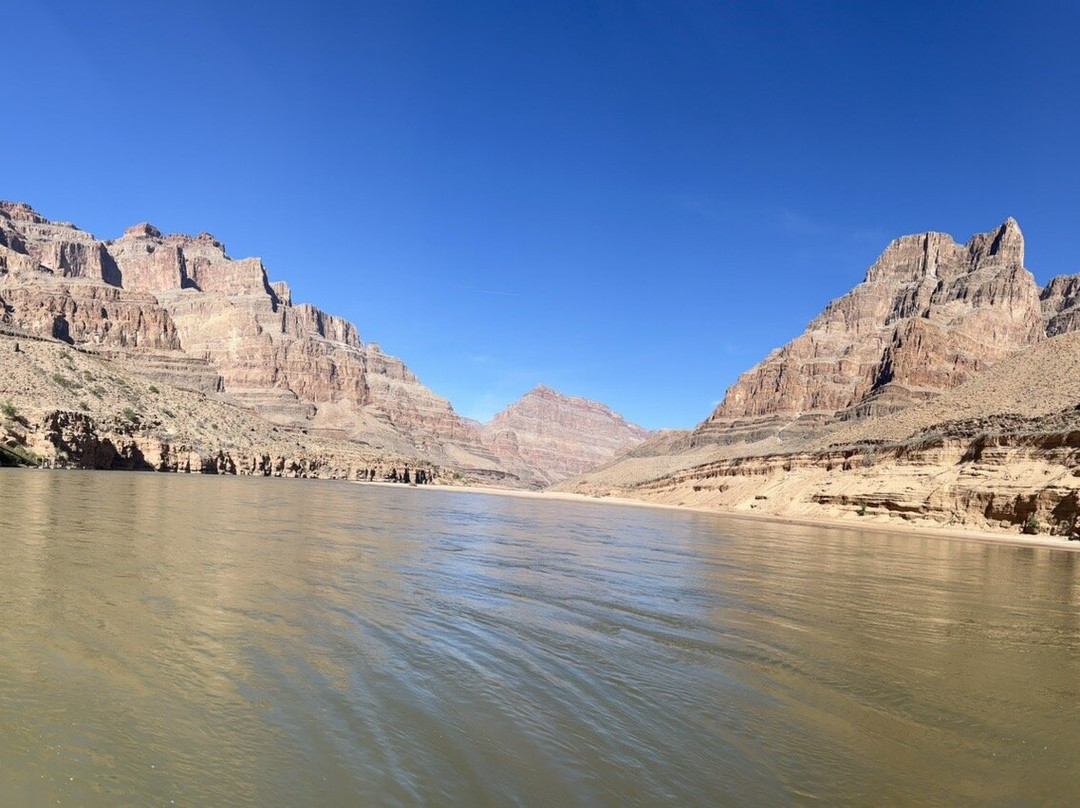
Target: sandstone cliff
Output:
[
  {"x": 993, "y": 453},
  {"x": 179, "y": 311},
  {"x": 1061, "y": 305},
  {"x": 943, "y": 389},
  {"x": 928, "y": 316},
  {"x": 63, "y": 407}
]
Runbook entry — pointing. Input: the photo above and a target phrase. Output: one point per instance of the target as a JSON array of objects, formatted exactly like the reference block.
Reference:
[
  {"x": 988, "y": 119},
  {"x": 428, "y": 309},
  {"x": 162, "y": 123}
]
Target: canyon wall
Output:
[
  {"x": 181, "y": 312},
  {"x": 943, "y": 389},
  {"x": 929, "y": 315}
]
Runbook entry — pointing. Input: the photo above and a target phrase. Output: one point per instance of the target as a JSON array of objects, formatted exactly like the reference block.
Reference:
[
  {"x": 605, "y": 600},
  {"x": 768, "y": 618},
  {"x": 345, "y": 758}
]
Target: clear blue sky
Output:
[{"x": 629, "y": 201}]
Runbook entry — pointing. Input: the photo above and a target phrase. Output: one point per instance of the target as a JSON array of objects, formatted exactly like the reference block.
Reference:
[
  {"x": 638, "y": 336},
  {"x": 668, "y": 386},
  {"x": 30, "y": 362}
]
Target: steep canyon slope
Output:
[
  {"x": 943, "y": 388},
  {"x": 929, "y": 315},
  {"x": 180, "y": 312}
]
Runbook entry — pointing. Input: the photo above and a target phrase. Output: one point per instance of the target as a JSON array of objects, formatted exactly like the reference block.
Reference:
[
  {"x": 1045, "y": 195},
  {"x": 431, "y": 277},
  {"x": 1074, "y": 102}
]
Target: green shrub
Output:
[
  {"x": 1031, "y": 525},
  {"x": 8, "y": 409},
  {"x": 130, "y": 414},
  {"x": 153, "y": 389}
]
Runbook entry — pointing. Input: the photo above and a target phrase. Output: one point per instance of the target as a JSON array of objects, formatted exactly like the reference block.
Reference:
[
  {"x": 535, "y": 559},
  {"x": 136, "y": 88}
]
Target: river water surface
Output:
[{"x": 175, "y": 640}]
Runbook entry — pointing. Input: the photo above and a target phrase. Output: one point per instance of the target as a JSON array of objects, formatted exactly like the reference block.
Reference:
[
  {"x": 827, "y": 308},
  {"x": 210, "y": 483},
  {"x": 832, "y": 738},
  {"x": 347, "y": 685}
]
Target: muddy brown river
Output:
[{"x": 194, "y": 641}]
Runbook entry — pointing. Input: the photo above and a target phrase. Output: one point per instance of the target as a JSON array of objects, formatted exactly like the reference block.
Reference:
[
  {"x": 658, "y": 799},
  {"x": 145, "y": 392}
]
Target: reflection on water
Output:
[{"x": 230, "y": 641}]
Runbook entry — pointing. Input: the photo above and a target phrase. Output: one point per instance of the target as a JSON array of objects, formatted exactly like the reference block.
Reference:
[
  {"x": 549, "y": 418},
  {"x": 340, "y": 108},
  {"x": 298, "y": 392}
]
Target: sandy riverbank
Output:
[{"x": 872, "y": 523}]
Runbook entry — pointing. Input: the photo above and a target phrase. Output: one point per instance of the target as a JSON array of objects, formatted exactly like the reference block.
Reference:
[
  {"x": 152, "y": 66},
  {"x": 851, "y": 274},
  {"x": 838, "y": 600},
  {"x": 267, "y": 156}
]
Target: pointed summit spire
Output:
[{"x": 1005, "y": 245}]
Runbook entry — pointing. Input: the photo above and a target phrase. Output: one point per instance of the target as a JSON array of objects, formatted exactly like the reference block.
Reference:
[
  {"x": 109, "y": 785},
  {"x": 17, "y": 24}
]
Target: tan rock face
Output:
[
  {"x": 75, "y": 409},
  {"x": 91, "y": 314},
  {"x": 929, "y": 315},
  {"x": 58, "y": 281},
  {"x": 60, "y": 248},
  {"x": 945, "y": 397},
  {"x": 1061, "y": 305},
  {"x": 147, "y": 292},
  {"x": 560, "y": 435},
  {"x": 294, "y": 364},
  {"x": 989, "y": 454},
  {"x": 149, "y": 261},
  {"x": 178, "y": 310}
]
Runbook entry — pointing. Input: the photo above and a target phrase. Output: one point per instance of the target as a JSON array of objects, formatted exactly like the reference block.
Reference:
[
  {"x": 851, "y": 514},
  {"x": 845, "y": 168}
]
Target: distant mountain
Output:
[
  {"x": 179, "y": 311},
  {"x": 558, "y": 434}
]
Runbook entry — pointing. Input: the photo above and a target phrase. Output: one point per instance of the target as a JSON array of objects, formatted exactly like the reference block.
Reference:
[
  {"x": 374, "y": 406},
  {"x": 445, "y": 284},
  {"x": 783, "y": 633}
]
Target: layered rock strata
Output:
[
  {"x": 561, "y": 435},
  {"x": 999, "y": 451},
  {"x": 995, "y": 474},
  {"x": 181, "y": 312},
  {"x": 928, "y": 316},
  {"x": 62, "y": 407},
  {"x": 1061, "y": 305}
]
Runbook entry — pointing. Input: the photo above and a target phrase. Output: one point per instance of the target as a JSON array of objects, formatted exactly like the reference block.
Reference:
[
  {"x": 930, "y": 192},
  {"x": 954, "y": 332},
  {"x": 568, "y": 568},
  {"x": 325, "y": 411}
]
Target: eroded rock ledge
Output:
[{"x": 1002, "y": 472}]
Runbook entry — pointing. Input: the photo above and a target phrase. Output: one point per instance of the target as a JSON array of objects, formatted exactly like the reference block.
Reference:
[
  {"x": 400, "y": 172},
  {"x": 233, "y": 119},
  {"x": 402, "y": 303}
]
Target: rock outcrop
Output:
[
  {"x": 559, "y": 435},
  {"x": 943, "y": 390},
  {"x": 179, "y": 311},
  {"x": 1061, "y": 305},
  {"x": 928, "y": 316},
  {"x": 294, "y": 364},
  {"x": 62, "y": 407},
  {"x": 89, "y": 313},
  {"x": 998, "y": 452}
]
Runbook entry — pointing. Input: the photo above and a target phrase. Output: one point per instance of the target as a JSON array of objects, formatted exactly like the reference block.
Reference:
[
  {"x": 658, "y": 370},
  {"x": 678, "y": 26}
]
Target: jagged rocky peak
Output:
[
  {"x": 1006, "y": 244},
  {"x": 282, "y": 292},
  {"x": 937, "y": 255},
  {"x": 20, "y": 212},
  {"x": 929, "y": 314}
]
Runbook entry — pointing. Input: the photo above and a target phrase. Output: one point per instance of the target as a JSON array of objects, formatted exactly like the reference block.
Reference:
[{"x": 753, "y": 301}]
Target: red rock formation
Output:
[
  {"x": 90, "y": 314},
  {"x": 147, "y": 291},
  {"x": 58, "y": 281}
]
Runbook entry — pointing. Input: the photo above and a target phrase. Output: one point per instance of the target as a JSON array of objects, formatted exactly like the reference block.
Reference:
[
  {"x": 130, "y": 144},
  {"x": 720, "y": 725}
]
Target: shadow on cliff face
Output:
[
  {"x": 1066, "y": 514},
  {"x": 110, "y": 272},
  {"x": 103, "y": 454},
  {"x": 61, "y": 329},
  {"x": 75, "y": 436}
]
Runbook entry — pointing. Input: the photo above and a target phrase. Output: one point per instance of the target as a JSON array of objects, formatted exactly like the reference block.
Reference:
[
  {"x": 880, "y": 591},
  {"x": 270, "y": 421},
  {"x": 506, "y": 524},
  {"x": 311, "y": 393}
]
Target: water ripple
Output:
[{"x": 171, "y": 640}]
